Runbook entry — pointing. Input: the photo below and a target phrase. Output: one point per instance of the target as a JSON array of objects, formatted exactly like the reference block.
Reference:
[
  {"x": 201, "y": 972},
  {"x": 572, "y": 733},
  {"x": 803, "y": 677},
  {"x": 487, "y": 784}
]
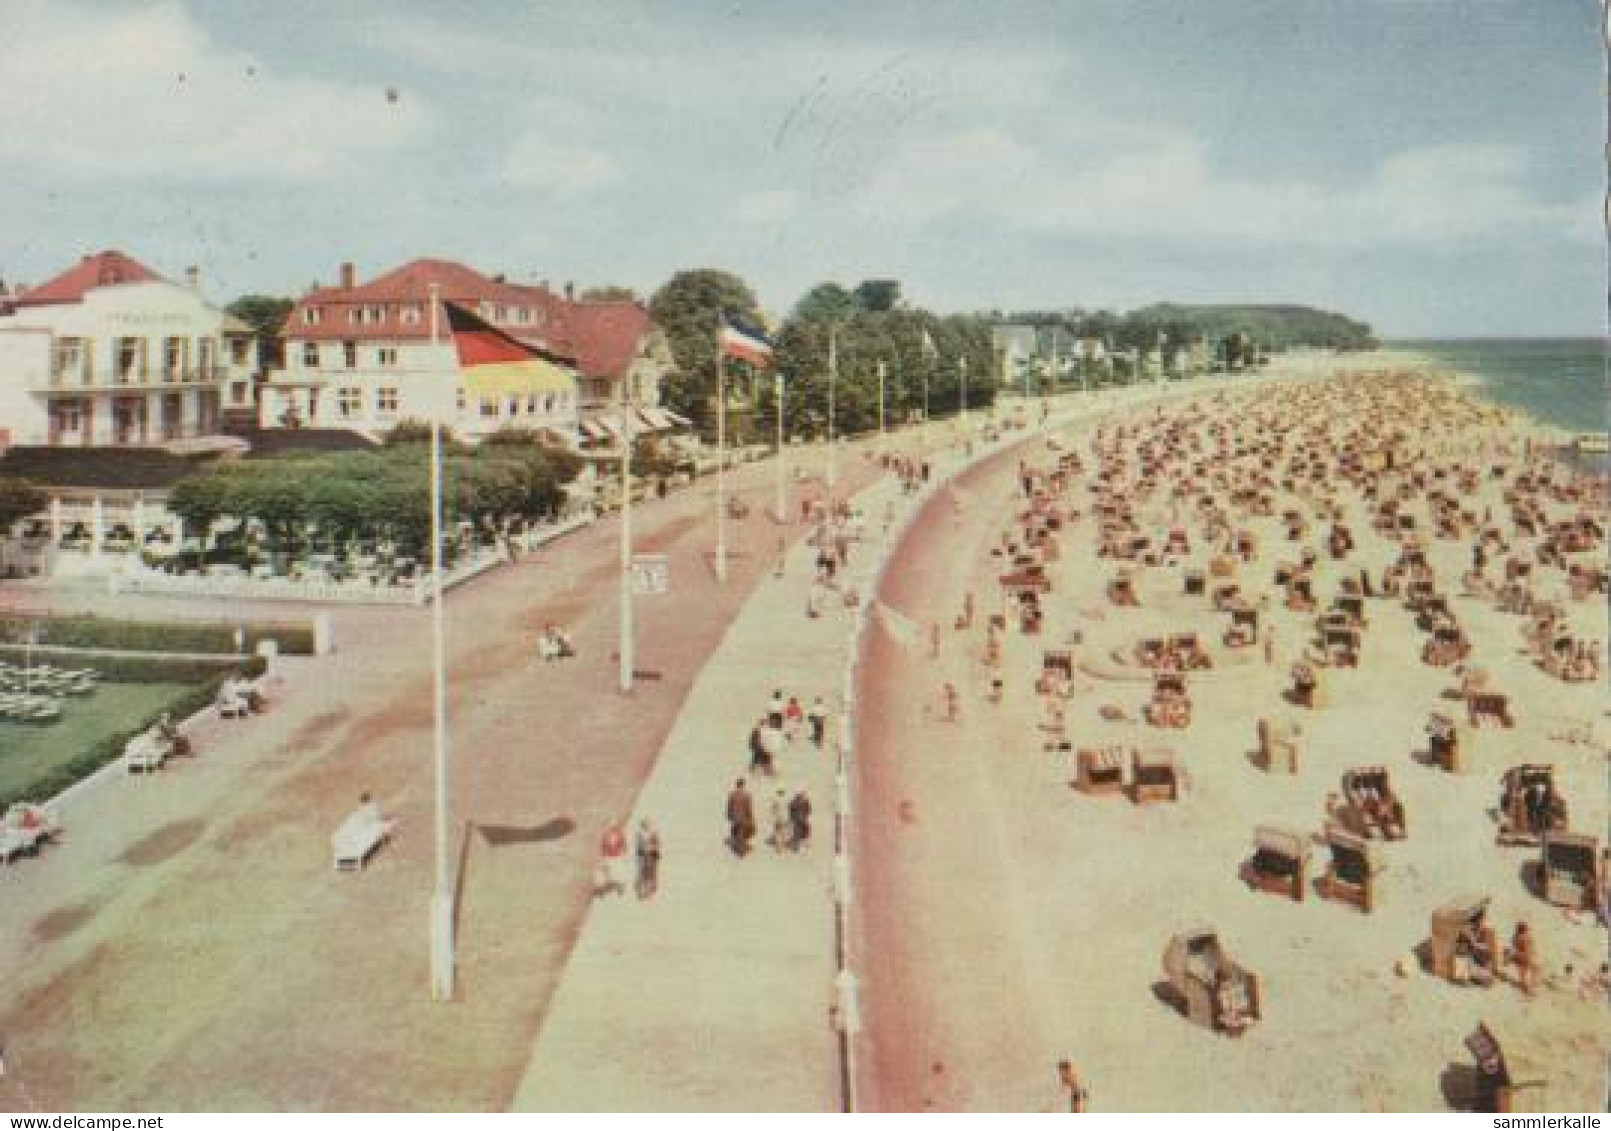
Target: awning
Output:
[{"x": 532, "y": 375}]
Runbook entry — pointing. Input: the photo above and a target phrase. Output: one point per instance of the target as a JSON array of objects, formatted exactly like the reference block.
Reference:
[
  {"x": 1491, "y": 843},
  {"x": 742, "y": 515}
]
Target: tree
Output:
[
  {"x": 825, "y": 302},
  {"x": 688, "y": 308},
  {"x": 266, "y": 315},
  {"x": 18, "y": 500},
  {"x": 878, "y": 296}
]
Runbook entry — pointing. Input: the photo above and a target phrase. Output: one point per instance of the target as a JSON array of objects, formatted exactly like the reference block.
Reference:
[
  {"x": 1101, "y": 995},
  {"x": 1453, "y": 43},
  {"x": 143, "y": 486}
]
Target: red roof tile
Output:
[
  {"x": 601, "y": 337},
  {"x": 607, "y": 336},
  {"x": 105, "y": 269}
]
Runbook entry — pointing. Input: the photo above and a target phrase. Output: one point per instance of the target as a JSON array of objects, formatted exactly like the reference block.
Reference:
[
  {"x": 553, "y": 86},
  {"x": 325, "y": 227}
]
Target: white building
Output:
[
  {"x": 367, "y": 357},
  {"x": 110, "y": 354}
]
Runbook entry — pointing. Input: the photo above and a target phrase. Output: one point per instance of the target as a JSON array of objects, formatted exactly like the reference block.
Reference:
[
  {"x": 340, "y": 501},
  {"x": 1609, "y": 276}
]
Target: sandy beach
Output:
[{"x": 1013, "y": 919}]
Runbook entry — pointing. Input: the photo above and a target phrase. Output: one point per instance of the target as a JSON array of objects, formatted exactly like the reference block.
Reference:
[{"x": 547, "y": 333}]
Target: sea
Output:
[{"x": 1557, "y": 381}]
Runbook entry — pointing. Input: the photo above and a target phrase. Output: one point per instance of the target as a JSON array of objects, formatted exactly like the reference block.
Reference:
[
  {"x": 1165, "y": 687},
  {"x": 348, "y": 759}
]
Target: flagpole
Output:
[
  {"x": 783, "y": 502},
  {"x": 833, "y": 377},
  {"x": 442, "y": 900},
  {"x": 721, "y": 468},
  {"x": 627, "y": 659}
]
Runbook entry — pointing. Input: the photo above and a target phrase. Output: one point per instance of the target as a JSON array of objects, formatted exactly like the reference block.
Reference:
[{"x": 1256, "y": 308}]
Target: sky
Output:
[{"x": 1432, "y": 166}]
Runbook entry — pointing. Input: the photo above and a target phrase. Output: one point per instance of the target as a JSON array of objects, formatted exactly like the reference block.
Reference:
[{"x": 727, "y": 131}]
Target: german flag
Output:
[{"x": 494, "y": 363}]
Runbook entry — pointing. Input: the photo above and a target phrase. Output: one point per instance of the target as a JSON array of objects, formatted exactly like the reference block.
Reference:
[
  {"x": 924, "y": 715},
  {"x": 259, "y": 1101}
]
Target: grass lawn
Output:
[{"x": 30, "y": 751}]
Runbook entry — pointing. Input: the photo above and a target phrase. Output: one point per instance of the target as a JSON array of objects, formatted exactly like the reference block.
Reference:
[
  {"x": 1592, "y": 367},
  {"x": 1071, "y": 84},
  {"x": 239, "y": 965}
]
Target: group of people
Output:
[
  {"x": 790, "y": 819},
  {"x": 785, "y": 721},
  {"x": 646, "y": 851}
]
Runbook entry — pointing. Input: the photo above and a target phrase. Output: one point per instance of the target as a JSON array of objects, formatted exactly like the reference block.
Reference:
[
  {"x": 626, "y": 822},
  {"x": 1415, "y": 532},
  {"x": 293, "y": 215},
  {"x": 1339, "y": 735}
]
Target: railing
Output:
[{"x": 137, "y": 378}]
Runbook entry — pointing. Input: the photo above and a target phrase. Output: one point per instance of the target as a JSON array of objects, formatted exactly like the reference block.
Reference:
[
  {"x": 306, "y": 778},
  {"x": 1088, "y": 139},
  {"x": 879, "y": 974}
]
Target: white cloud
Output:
[
  {"x": 538, "y": 161},
  {"x": 771, "y": 206},
  {"x": 1161, "y": 186},
  {"x": 144, "y": 94}
]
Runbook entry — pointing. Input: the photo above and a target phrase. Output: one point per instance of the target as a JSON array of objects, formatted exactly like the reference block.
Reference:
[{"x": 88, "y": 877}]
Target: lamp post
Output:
[
  {"x": 782, "y": 500},
  {"x": 721, "y": 469},
  {"x": 833, "y": 378},
  {"x": 625, "y": 648},
  {"x": 442, "y": 898},
  {"x": 881, "y": 428}
]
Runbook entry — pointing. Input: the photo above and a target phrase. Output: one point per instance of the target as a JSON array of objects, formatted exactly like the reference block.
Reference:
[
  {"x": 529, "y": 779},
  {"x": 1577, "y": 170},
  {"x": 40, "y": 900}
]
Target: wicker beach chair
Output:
[
  {"x": 1203, "y": 979},
  {"x": 1280, "y": 862},
  {"x": 1350, "y": 877}
]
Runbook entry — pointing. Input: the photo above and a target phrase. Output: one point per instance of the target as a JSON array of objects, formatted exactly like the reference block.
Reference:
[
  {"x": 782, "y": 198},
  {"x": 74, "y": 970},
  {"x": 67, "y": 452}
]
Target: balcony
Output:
[{"x": 78, "y": 381}]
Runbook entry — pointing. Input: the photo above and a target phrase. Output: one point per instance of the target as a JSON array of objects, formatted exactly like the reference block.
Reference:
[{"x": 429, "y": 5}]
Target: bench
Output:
[
  {"x": 357, "y": 838},
  {"x": 145, "y": 753}
]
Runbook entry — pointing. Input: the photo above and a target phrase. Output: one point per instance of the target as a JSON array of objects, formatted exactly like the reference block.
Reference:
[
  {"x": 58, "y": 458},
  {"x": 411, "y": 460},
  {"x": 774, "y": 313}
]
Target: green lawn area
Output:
[{"x": 33, "y": 752}]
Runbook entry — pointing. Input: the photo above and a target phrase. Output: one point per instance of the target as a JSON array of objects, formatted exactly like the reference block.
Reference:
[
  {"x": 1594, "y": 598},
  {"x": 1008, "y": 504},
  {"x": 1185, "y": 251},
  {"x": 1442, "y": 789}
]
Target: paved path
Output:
[{"x": 188, "y": 946}]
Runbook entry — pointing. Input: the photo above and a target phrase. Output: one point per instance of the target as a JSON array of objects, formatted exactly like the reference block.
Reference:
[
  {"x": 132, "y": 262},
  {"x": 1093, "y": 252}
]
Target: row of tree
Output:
[
  {"x": 367, "y": 499},
  {"x": 829, "y": 350},
  {"x": 1267, "y": 329}
]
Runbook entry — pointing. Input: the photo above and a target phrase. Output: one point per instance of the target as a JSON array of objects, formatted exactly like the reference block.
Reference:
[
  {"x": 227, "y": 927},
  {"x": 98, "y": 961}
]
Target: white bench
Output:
[
  {"x": 145, "y": 753},
  {"x": 359, "y": 835}
]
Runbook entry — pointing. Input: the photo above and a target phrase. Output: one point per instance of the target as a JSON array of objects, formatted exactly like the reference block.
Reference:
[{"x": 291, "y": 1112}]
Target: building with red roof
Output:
[
  {"x": 109, "y": 353},
  {"x": 369, "y": 355}
]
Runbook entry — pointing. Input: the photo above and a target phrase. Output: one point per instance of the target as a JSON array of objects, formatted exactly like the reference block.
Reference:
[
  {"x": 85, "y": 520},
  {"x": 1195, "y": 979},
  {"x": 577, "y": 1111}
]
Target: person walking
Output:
[
  {"x": 953, "y": 703},
  {"x": 648, "y": 854},
  {"x": 793, "y": 718},
  {"x": 774, "y": 710},
  {"x": 780, "y": 822},
  {"x": 818, "y": 718},
  {"x": 740, "y": 819},
  {"x": 1523, "y": 954},
  {"x": 761, "y": 748},
  {"x": 612, "y": 861},
  {"x": 799, "y": 821},
  {"x": 1075, "y": 1094}
]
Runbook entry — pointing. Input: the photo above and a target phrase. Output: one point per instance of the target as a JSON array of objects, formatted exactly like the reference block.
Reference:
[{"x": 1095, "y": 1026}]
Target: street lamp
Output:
[{"x": 625, "y": 647}]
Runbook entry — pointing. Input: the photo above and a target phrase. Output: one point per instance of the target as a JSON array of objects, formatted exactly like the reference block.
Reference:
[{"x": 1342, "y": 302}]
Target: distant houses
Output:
[
  {"x": 367, "y": 356},
  {"x": 109, "y": 353}
]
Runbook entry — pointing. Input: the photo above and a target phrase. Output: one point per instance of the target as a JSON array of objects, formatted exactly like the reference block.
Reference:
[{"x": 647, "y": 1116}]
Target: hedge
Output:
[
  {"x": 156, "y": 636},
  {"x": 137, "y": 669},
  {"x": 110, "y": 748}
]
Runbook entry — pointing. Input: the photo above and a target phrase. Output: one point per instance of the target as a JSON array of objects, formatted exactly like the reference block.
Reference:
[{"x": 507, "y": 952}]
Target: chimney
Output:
[
  {"x": 347, "y": 280},
  {"x": 570, "y": 291},
  {"x": 193, "y": 277}
]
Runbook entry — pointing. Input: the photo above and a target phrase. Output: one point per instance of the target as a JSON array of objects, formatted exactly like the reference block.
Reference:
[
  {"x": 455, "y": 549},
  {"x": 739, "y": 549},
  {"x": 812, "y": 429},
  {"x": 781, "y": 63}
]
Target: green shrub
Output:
[
  {"x": 129, "y": 669},
  {"x": 110, "y": 748},
  {"x": 157, "y": 636}
]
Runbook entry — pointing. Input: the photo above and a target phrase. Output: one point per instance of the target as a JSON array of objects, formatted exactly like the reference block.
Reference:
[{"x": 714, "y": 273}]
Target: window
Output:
[
  {"x": 386, "y": 402},
  {"x": 514, "y": 404},
  {"x": 409, "y": 315},
  {"x": 238, "y": 348},
  {"x": 349, "y": 402},
  {"x": 489, "y": 407},
  {"x": 310, "y": 355},
  {"x": 520, "y": 316},
  {"x": 172, "y": 357},
  {"x": 130, "y": 359},
  {"x": 387, "y": 356},
  {"x": 349, "y": 354},
  {"x": 352, "y": 317},
  {"x": 531, "y": 404},
  {"x": 548, "y": 403},
  {"x": 312, "y": 315},
  {"x": 237, "y": 392},
  {"x": 69, "y": 356},
  {"x": 458, "y": 400}
]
